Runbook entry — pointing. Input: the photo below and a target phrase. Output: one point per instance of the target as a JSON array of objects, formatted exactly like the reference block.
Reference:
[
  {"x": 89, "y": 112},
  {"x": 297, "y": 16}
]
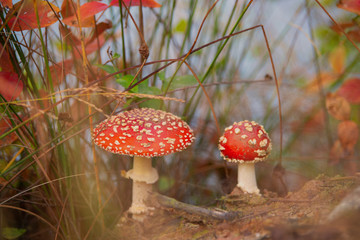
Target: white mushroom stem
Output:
[
  {"x": 143, "y": 176},
  {"x": 247, "y": 178}
]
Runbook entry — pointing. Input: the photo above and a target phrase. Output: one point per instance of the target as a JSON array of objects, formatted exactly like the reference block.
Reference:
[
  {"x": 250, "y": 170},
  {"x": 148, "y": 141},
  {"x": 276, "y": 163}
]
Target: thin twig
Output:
[{"x": 172, "y": 203}]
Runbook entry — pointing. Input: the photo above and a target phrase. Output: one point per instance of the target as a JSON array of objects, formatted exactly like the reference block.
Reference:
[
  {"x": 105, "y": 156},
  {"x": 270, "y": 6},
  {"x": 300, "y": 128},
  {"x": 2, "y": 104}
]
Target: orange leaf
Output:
[
  {"x": 348, "y": 133},
  {"x": 350, "y": 90},
  {"x": 337, "y": 59},
  {"x": 145, "y": 3},
  {"x": 336, "y": 152},
  {"x": 6, "y": 3},
  {"x": 26, "y": 18},
  {"x": 350, "y": 5},
  {"x": 338, "y": 107},
  {"x": 326, "y": 79},
  {"x": 68, "y": 8},
  {"x": 87, "y": 11},
  {"x": 60, "y": 70},
  {"x": 10, "y": 85},
  {"x": 100, "y": 28}
]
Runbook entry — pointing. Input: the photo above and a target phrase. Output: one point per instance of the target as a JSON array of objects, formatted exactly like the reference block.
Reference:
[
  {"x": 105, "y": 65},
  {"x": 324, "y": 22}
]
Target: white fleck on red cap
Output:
[
  {"x": 143, "y": 132},
  {"x": 245, "y": 141}
]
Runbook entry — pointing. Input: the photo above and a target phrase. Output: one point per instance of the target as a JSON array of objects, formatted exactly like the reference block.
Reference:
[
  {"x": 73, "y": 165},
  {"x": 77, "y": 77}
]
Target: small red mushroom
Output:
[
  {"x": 143, "y": 133},
  {"x": 245, "y": 143}
]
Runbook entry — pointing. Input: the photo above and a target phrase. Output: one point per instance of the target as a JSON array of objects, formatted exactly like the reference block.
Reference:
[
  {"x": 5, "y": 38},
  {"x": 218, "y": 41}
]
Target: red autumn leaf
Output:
[
  {"x": 145, "y": 3},
  {"x": 5, "y": 62},
  {"x": 92, "y": 46},
  {"x": 60, "y": 70},
  {"x": 350, "y": 90},
  {"x": 24, "y": 17},
  {"x": 87, "y": 11},
  {"x": 6, "y": 3},
  {"x": 348, "y": 133},
  {"x": 100, "y": 28},
  {"x": 4, "y": 127},
  {"x": 68, "y": 8},
  {"x": 10, "y": 85},
  {"x": 350, "y": 5},
  {"x": 344, "y": 26}
]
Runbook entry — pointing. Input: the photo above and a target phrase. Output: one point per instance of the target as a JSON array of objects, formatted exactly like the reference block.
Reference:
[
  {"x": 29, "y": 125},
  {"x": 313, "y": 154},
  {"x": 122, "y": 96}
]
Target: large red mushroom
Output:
[
  {"x": 245, "y": 143},
  {"x": 143, "y": 133}
]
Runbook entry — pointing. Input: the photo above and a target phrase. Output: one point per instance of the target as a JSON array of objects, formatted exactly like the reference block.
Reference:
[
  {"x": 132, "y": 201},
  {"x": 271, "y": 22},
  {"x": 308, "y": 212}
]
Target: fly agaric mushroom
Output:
[
  {"x": 245, "y": 143},
  {"x": 143, "y": 133}
]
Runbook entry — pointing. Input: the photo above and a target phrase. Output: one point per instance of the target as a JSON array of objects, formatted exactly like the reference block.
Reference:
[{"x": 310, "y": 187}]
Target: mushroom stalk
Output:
[
  {"x": 247, "y": 178},
  {"x": 143, "y": 175}
]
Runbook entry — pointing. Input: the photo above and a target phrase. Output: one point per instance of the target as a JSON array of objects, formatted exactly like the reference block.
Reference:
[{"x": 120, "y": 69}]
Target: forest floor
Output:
[{"x": 299, "y": 215}]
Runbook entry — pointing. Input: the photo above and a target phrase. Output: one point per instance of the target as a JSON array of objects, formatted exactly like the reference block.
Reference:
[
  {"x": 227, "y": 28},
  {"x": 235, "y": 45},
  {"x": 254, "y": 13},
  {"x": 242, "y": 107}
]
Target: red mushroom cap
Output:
[
  {"x": 245, "y": 141},
  {"x": 143, "y": 132}
]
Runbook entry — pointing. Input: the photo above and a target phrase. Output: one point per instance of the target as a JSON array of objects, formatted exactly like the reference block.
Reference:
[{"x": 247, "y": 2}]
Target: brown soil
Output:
[{"x": 299, "y": 215}]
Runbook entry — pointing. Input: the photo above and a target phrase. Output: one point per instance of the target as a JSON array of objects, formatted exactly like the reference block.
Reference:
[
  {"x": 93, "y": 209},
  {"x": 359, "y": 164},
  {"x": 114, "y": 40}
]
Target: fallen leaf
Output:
[
  {"x": 87, "y": 11},
  {"x": 6, "y": 3},
  {"x": 327, "y": 78},
  {"x": 23, "y": 15},
  {"x": 338, "y": 107},
  {"x": 350, "y": 5},
  {"x": 337, "y": 59},
  {"x": 348, "y": 134},
  {"x": 350, "y": 90},
  {"x": 10, "y": 85},
  {"x": 145, "y": 3}
]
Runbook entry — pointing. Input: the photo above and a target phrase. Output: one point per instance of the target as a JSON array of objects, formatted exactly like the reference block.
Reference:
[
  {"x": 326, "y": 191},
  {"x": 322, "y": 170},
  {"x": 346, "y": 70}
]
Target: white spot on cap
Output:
[
  {"x": 263, "y": 142},
  {"x": 135, "y": 128},
  {"x": 252, "y": 141}
]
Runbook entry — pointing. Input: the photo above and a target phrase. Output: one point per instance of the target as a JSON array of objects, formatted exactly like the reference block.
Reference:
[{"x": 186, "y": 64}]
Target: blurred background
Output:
[{"x": 61, "y": 76}]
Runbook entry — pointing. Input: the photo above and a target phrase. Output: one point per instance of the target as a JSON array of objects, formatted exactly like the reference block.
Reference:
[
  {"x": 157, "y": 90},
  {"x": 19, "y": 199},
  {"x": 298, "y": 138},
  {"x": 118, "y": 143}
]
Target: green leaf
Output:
[
  {"x": 125, "y": 82},
  {"x": 181, "y": 26},
  {"x": 151, "y": 103},
  {"x": 161, "y": 76},
  {"x": 181, "y": 81},
  {"x": 116, "y": 55},
  {"x": 106, "y": 68},
  {"x": 12, "y": 233}
]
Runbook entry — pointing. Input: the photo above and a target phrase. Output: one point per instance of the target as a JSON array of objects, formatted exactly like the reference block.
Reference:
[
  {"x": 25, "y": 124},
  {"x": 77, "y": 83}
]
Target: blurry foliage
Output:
[{"x": 74, "y": 190}]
